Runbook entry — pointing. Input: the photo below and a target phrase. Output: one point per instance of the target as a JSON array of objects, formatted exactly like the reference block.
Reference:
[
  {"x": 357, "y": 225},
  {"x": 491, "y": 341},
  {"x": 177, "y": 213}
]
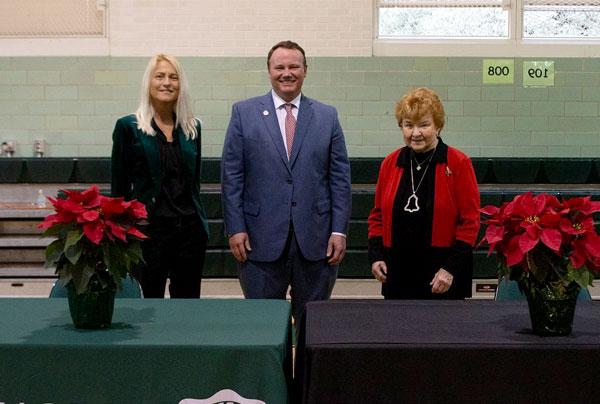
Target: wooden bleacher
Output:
[{"x": 500, "y": 179}]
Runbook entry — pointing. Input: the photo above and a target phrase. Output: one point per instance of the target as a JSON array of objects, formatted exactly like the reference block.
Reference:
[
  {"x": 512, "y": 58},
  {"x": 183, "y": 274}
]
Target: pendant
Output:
[
  {"x": 418, "y": 167},
  {"x": 412, "y": 206}
]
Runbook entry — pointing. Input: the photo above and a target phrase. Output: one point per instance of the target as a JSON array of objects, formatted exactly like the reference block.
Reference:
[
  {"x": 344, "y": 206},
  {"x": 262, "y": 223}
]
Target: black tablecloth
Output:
[{"x": 444, "y": 352}]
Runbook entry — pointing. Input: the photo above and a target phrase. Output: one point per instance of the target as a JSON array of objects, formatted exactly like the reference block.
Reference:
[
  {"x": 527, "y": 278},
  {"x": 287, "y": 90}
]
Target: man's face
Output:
[{"x": 287, "y": 72}]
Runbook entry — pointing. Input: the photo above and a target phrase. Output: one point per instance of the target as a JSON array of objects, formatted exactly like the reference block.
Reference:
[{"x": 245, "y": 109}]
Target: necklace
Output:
[
  {"x": 412, "y": 204},
  {"x": 426, "y": 160}
]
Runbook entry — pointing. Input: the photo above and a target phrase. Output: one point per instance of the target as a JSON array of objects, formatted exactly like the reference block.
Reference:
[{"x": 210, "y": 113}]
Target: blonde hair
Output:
[
  {"x": 418, "y": 103},
  {"x": 183, "y": 106}
]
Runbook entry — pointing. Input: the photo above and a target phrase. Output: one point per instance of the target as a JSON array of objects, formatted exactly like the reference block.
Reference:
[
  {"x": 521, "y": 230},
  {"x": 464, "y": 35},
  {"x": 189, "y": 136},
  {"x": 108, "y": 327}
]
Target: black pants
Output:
[
  {"x": 411, "y": 270},
  {"x": 175, "y": 249}
]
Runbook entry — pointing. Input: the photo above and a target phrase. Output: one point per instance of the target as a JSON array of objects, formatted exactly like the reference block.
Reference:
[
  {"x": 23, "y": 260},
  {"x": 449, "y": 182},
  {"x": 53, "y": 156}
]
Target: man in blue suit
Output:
[{"x": 285, "y": 181}]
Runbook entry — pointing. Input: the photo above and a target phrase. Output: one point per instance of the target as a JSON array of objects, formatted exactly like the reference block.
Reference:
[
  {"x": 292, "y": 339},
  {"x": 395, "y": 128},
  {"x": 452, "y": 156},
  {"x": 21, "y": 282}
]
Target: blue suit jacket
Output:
[{"x": 262, "y": 191}]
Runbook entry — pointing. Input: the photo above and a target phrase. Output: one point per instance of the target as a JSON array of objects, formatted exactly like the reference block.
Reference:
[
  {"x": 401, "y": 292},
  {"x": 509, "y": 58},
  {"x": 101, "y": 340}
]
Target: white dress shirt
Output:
[{"x": 281, "y": 112}]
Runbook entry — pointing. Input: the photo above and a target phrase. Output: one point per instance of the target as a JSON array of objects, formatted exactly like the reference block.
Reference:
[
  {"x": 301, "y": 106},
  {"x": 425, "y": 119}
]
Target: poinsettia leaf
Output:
[
  {"x": 94, "y": 231},
  {"x": 113, "y": 206},
  {"x": 73, "y": 248},
  {"x": 592, "y": 244},
  {"x": 136, "y": 233},
  {"x": 88, "y": 216},
  {"x": 578, "y": 256},
  {"x": 514, "y": 253},
  {"x": 552, "y": 238},
  {"x": 53, "y": 252},
  {"x": 494, "y": 234},
  {"x": 539, "y": 204},
  {"x": 51, "y": 232},
  {"x": 550, "y": 219},
  {"x": 64, "y": 276},
  {"x": 116, "y": 230},
  {"x": 81, "y": 278},
  {"x": 73, "y": 237},
  {"x": 582, "y": 276},
  {"x": 135, "y": 251},
  {"x": 489, "y": 210},
  {"x": 116, "y": 258},
  {"x": 137, "y": 210},
  {"x": 106, "y": 255},
  {"x": 526, "y": 242},
  {"x": 73, "y": 253}
]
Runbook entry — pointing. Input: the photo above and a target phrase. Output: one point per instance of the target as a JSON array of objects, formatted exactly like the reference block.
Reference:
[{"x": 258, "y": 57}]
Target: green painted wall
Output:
[{"x": 73, "y": 102}]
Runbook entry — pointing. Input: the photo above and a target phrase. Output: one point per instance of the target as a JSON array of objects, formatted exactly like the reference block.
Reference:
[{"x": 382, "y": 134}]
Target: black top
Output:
[
  {"x": 412, "y": 230},
  {"x": 175, "y": 197}
]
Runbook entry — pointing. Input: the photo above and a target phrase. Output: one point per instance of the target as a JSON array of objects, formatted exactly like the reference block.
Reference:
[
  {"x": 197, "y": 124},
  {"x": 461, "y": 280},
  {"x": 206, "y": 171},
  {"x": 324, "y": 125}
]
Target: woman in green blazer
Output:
[{"x": 156, "y": 160}]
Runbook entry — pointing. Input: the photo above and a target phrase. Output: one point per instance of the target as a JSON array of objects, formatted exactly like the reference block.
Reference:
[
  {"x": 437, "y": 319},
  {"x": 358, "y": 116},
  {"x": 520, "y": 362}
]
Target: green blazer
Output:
[{"x": 136, "y": 169}]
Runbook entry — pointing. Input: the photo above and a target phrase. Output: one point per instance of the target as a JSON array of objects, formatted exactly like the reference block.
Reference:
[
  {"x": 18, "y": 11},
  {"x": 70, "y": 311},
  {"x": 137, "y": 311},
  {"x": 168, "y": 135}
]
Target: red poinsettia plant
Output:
[
  {"x": 545, "y": 237},
  {"x": 96, "y": 237}
]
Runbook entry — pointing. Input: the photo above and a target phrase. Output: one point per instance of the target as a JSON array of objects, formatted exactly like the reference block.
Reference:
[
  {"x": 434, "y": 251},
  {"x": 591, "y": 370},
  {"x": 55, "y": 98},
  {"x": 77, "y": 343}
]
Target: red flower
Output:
[
  {"x": 97, "y": 215},
  {"x": 95, "y": 236},
  {"x": 530, "y": 222}
]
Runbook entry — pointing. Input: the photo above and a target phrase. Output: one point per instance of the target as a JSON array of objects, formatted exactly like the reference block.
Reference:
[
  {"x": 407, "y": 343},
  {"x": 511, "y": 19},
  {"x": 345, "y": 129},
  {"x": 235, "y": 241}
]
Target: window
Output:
[
  {"x": 442, "y": 19},
  {"x": 561, "y": 19},
  {"x": 56, "y": 18},
  {"x": 489, "y": 19}
]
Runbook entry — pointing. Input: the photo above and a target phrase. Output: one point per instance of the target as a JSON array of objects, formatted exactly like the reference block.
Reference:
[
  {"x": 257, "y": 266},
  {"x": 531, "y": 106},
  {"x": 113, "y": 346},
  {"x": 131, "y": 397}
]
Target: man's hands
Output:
[
  {"x": 239, "y": 244},
  {"x": 336, "y": 249}
]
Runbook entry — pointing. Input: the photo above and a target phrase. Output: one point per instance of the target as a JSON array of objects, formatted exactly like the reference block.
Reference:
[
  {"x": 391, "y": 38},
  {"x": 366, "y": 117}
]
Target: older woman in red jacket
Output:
[{"x": 426, "y": 215}]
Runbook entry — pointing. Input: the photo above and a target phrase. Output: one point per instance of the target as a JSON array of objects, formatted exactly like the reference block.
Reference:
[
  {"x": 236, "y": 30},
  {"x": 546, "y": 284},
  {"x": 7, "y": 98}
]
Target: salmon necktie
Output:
[{"x": 290, "y": 128}]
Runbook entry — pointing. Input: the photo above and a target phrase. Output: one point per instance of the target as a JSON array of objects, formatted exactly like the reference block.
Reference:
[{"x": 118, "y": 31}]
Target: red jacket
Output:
[{"x": 456, "y": 205}]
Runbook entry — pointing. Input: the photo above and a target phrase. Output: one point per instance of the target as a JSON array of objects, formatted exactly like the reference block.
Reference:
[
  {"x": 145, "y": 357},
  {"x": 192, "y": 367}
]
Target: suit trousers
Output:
[
  {"x": 309, "y": 280},
  {"x": 175, "y": 249}
]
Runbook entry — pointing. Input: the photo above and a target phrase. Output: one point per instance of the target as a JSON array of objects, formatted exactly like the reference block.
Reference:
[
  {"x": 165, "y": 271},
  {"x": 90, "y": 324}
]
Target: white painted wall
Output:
[{"x": 216, "y": 28}]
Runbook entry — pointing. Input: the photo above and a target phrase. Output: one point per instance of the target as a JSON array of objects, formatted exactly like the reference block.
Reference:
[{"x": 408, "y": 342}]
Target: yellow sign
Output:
[
  {"x": 538, "y": 73},
  {"x": 498, "y": 71}
]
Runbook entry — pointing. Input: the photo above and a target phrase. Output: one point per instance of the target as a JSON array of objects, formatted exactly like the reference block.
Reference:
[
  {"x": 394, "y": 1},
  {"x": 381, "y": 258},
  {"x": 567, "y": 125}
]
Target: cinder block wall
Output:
[{"x": 72, "y": 101}]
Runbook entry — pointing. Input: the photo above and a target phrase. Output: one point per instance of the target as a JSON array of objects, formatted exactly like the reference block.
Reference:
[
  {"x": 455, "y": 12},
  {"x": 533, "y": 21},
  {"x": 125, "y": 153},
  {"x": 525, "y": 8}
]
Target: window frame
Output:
[
  {"x": 76, "y": 45},
  {"x": 514, "y": 46}
]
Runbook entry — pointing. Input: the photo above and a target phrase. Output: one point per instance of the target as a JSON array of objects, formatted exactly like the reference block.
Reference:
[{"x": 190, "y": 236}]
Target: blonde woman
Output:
[{"x": 156, "y": 160}]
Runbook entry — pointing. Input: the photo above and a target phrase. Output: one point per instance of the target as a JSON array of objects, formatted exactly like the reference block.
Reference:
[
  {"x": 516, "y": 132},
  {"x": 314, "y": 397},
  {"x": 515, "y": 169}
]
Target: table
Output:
[
  {"x": 157, "y": 351},
  {"x": 444, "y": 352}
]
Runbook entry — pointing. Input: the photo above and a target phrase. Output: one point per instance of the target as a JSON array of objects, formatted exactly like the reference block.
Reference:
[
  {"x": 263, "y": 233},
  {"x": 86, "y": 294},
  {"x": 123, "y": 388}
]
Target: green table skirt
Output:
[{"x": 157, "y": 351}]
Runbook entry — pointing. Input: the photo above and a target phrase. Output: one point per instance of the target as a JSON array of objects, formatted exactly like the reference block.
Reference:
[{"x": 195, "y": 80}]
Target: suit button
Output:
[
  {"x": 289, "y": 181},
  {"x": 293, "y": 203}
]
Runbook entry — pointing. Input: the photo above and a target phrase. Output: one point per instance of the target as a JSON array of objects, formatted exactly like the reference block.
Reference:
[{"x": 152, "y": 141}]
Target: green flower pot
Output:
[
  {"x": 551, "y": 306},
  {"x": 92, "y": 309}
]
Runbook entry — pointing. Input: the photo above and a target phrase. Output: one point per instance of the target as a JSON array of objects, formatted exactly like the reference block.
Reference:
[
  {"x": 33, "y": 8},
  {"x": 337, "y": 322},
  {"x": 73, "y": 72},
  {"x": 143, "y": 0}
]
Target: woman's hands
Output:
[
  {"x": 441, "y": 282},
  {"x": 379, "y": 271}
]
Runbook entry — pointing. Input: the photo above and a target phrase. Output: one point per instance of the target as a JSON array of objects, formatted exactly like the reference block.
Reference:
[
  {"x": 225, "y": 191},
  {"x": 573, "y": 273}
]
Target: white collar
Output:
[{"x": 278, "y": 101}]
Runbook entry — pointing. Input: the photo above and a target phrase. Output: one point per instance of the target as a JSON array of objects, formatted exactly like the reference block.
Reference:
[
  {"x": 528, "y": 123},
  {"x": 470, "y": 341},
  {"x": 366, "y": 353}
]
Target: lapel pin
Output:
[{"x": 265, "y": 112}]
